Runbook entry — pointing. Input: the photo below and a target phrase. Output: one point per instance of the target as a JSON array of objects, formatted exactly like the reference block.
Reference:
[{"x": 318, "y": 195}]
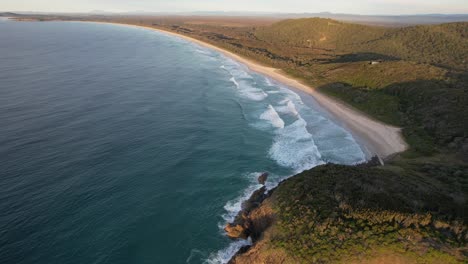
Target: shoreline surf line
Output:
[{"x": 377, "y": 137}]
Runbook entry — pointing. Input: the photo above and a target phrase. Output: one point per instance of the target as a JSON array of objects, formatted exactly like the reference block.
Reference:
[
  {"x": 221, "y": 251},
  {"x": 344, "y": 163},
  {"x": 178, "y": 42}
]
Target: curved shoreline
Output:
[{"x": 377, "y": 137}]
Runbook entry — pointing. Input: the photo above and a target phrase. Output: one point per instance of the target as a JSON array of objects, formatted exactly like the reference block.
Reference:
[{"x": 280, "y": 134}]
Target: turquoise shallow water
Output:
[{"x": 124, "y": 145}]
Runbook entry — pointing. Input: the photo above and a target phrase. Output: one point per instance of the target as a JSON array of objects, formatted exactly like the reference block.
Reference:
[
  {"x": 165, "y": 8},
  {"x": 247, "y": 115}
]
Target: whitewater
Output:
[{"x": 277, "y": 109}]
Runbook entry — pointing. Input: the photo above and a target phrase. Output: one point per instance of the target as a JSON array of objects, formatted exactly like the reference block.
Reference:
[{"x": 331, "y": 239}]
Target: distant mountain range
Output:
[
  {"x": 389, "y": 19},
  {"x": 8, "y": 14},
  {"x": 368, "y": 19}
]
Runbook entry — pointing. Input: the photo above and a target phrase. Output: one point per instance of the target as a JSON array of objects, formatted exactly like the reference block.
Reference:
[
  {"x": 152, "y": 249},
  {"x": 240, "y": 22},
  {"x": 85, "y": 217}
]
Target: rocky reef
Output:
[{"x": 244, "y": 225}]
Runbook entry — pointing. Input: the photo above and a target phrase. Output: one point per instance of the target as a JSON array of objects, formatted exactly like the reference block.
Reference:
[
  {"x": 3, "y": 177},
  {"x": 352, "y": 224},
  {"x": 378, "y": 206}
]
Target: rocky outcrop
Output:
[
  {"x": 242, "y": 226},
  {"x": 358, "y": 214},
  {"x": 263, "y": 178},
  {"x": 260, "y": 219},
  {"x": 236, "y": 231}
]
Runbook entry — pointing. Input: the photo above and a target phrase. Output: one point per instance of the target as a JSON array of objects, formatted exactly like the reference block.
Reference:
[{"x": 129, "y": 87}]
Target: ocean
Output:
[{"x": 126, "y": 145}]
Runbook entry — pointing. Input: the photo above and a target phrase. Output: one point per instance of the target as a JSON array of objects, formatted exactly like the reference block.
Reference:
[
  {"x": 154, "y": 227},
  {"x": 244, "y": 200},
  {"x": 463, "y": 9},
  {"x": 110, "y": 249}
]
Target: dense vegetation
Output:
[
  {"x": 358, "y": 213},
  {"x": 445, "y": 45}
]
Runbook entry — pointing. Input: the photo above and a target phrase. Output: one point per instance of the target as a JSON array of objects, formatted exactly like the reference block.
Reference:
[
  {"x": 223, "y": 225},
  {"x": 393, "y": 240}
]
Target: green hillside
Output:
[
  {"x": 444, "y": 45},
  {"x": 318, "y": 32},
  {"x": 342, "y": 214}
]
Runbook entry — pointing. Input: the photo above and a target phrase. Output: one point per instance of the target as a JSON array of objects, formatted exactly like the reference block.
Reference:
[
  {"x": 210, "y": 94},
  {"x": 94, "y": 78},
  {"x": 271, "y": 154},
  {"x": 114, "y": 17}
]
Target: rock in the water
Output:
[
  {"x": 263, "y": 178},
  {"x": 235, "y": 231}
]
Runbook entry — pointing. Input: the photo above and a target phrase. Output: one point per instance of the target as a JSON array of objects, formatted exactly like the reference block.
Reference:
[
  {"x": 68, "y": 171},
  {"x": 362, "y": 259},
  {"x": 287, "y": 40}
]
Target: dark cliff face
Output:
[{"x": 334, "y": 213}]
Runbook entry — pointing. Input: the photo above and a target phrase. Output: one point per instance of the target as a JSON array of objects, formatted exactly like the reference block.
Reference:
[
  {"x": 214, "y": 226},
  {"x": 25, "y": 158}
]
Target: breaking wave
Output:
[
  {"x": 224, "y": 255},
  {"x": 233, "y": 80},
  {"x": 272, "y": 116},
  {"x": 244, "y": 83},
  {"x": 234, "y": 206},
  {"x": 293, "y": 146},
  {"x": 289, "y": 108}
]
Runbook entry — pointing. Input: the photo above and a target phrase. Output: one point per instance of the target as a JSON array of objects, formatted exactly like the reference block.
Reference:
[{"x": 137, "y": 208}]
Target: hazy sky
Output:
[{"x": 295, "y": 6}]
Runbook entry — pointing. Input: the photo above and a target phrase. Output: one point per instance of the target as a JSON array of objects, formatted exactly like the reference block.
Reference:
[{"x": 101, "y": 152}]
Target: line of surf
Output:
[{"x": 379, "y": 138}]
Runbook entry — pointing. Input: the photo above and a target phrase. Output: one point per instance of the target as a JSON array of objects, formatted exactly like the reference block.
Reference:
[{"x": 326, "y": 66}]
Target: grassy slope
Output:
[{"x": 337, "y": 213}]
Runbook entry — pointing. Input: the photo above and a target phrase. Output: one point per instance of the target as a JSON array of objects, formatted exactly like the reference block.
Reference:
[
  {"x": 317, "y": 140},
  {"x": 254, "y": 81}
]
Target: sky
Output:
[{"x": 365, "y": 7}]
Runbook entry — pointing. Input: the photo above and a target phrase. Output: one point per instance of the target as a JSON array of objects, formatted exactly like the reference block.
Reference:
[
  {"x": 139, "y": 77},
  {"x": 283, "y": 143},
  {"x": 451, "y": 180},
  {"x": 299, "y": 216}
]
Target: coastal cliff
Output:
[{"x": 361, "y": 214}]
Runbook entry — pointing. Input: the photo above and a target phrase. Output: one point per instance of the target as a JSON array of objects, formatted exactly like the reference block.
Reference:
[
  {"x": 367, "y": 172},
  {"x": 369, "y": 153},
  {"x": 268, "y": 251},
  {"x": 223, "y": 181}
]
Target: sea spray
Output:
[
  {"x": 223, "y": 256},
  {"x": 272, "y": 117},
  {"x": 294, "y": 147},
  {"x": 234, "y": 206},
  {"x": 288, "y": 108},
  {"x": 233, "y": 80}
]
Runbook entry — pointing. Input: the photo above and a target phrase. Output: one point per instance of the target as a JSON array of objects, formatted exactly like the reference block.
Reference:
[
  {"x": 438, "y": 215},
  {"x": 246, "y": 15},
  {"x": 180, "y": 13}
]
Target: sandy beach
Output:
[{"x": 376, "y": 137}]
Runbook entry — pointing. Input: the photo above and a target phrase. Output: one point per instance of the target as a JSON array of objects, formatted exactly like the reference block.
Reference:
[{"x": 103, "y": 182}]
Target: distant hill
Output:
[
  {"x": 445, "y": 45},
  {"x": 395, "y": 20},
  {"x": 389, "y": 20},
  {"x": 8, "y": 14}
]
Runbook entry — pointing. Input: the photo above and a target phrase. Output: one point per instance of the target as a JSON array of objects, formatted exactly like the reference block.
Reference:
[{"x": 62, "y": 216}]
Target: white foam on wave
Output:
[
  {"x": 272, "y": 116},
  {"x": 294, "y": 147},
  {"x": 233, "y": 80},
  {"x": 291, "y": 95},
  {"x": 223, "y": 256},
  {"x": 268, "y": 82},
  {"x": 273, "y": 92},
  {"x": 248, "y": 91},
  {"x": 254, "y": 94},
  {"x": 205, "y": 52},
  {"x": 244, "y": 82},
  {"x": 289, "y": 108},
  {"x": 233, "y": 207}
]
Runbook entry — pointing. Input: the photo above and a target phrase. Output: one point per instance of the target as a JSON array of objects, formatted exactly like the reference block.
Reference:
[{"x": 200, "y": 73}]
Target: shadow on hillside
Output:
[
  {"x": 432, "y": 112},
  {"x": 360, "y": 56}
]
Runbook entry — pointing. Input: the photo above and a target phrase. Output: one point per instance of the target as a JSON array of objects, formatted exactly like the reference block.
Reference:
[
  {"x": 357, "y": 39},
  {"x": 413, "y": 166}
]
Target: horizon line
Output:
[{"x": 227, "y": 12}]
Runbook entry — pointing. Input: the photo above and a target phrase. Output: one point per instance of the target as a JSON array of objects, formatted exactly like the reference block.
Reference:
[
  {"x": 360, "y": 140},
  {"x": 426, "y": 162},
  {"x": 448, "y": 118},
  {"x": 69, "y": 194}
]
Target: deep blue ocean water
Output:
[{"x": 124, "y": 145}]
